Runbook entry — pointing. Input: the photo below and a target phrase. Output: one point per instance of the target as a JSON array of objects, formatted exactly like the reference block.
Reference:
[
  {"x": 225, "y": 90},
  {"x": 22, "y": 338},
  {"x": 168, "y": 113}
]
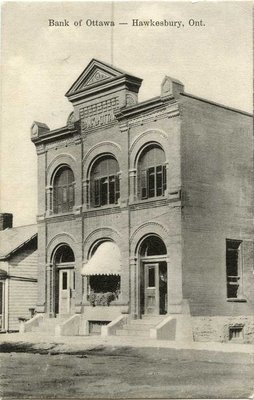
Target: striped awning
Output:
[{"x": 105, "y": 261}]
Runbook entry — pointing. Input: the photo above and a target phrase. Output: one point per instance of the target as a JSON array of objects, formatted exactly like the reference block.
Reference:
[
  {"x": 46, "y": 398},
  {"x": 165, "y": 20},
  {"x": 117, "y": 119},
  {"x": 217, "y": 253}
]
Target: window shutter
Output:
[
  {"x": 55, "y": 208},
  {"x": 164, "y": 179},
  {"x": 104, "y": 191},
  {"x": 143, "y": 184},
  {"x": 151, "y": 182},
  {"x": 96, "y": 193},
  {"x": 159, "y": 188},
  {"x": 117, "y": 188},
  {"x": 59, "y": 199},
  {"x": 71, "y": 196},
  {"x": 112, "y": 189}
]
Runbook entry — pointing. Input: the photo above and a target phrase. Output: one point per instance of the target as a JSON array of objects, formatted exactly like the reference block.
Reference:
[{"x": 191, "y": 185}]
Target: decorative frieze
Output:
[
  {"x": 152, "y": 116},
  {"x": 98, "y": 114},
  {"x": 105, "y": 211},
  {"x": 51, "y": 219},
  {"x": 57, "y": 144},
  {"x": 149, "y": 204}
]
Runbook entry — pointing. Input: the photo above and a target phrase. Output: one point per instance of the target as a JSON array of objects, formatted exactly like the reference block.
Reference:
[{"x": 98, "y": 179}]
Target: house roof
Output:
[{"x": 11, "y": 239}]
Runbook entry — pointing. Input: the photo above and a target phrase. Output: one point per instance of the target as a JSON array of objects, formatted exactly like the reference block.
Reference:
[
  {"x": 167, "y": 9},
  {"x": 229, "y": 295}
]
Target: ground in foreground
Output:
[{"x": 118, "y": 372}]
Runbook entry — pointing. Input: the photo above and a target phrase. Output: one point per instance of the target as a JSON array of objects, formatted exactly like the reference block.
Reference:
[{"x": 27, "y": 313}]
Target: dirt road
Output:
[{"x": 111, "y": 372}]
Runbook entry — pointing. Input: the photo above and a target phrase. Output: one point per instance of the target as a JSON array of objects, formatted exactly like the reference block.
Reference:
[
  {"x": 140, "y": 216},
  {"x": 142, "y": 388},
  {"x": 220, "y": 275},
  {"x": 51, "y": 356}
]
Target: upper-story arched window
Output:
[
  {"x": 152, "y": 180},
  {"x": 63, "y": 190},
  {"x": 104, "y": 182}
]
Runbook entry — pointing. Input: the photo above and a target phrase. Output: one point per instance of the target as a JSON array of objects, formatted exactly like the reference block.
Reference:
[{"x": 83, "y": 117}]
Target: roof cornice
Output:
[
  {"x": 152, "y": 104},
  {"x": 126, "y": 81},
  {"x": 56, "y": 134}
]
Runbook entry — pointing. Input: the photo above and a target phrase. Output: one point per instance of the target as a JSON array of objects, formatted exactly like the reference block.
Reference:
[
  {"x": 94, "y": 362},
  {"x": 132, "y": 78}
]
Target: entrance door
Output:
[
  {"x": 151, "y": 286},
  {"x": 66, "y": 287}
]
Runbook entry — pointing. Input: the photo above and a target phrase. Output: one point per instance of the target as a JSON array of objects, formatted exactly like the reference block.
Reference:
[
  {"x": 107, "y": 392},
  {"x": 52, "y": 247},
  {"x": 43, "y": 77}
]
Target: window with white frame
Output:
[
  {"x": 63, "y": 190},
  {"x": 233, "y": 266},
  {"x": 152, "y": 175},
  {"x": 104, "y": 182}
]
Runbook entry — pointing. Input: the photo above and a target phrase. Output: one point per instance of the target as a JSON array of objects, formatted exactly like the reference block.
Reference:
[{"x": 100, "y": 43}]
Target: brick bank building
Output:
[{"x": 145, "y": 214}]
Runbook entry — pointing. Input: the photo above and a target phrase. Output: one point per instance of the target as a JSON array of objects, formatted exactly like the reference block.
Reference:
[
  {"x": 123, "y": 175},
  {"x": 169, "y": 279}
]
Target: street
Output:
[{"x": 118, "y": 372}]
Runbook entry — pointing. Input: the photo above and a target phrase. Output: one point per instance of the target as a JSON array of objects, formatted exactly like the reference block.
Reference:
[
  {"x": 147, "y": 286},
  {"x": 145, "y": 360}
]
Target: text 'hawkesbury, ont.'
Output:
[{"x": 135, "y": 22}]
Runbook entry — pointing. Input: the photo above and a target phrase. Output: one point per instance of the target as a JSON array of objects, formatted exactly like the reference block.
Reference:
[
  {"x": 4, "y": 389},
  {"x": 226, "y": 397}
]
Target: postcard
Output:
[{"x": 126, "y": 224}]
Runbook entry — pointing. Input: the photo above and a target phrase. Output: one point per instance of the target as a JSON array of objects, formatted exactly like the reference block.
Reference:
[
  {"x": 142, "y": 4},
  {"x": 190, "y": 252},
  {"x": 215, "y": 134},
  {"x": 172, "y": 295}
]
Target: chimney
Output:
[{"x": 5, "y": 221}]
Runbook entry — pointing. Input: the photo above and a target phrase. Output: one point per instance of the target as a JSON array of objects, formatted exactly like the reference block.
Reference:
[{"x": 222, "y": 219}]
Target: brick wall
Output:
[
  {"x": 217, "y": 329},
  {"x": 217, "y": 175}
]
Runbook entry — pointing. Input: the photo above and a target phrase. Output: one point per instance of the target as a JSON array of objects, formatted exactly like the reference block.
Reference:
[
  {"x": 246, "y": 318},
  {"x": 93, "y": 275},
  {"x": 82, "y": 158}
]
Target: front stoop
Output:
[
  {"x": 140, "y": 327},
  {"x": 176, "y": 327},
  {"x": 47, "y": 326}
]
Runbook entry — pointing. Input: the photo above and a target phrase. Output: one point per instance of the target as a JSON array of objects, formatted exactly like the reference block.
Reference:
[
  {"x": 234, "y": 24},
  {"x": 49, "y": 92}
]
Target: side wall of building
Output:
[
  {"x": 22, "y": 288},
  {"x": 217, "y": 195}
]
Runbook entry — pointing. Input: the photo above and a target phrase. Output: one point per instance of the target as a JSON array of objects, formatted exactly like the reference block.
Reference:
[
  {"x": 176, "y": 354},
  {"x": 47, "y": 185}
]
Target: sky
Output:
[{"x": 41, "y": 62}]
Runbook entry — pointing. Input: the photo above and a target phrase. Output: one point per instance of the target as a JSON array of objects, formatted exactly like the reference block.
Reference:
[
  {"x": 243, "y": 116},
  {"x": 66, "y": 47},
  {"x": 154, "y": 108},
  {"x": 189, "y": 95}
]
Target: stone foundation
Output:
[{"x": 217, "y": 329}]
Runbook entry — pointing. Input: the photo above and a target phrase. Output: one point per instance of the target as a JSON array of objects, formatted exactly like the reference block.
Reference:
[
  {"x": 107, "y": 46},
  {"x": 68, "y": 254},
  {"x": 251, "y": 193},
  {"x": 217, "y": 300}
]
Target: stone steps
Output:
[
  {"x": 139, "y": 327},
  {"x": 137, "y": 322},
  {"x": 152, "y": 318},
  {"x": 48, "y": 325},
  {"x": 145, "y": 334}
]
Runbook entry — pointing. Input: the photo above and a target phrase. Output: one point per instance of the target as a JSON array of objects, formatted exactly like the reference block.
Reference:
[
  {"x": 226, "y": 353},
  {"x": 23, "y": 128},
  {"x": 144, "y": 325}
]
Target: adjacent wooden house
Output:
[{"x": 18, "y": 272}]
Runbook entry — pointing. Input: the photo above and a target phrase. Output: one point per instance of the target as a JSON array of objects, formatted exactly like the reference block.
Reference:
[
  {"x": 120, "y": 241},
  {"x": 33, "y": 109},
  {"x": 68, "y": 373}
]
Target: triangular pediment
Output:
[
  {"x": 97, "y": 76},
  {"x": 95, "y": 73}
]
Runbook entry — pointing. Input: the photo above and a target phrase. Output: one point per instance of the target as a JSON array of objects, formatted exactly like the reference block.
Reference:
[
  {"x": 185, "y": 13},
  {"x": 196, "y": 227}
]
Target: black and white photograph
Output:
[{"x": 127, "y": 200}]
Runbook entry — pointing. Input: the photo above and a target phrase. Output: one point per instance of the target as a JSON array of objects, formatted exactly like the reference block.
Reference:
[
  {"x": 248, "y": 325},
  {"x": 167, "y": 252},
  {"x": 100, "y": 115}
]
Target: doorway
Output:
[
  {"x": 64, "y": 281},
  {"x": 66, "y": 288},
  {"x": 155, "y": 288},
  {"x": 153, "y": 277},
  {"x": 151, "y": 288}
]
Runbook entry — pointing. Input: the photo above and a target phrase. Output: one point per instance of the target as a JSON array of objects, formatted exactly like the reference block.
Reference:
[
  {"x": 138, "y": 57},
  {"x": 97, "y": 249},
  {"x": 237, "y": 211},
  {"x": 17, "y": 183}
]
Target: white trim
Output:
[{"x": 6, "y": 305}]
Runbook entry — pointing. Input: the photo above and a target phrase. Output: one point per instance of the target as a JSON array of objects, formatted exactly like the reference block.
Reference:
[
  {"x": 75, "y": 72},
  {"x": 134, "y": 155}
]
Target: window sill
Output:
[
  {"x": 236, "y": 300},
  {"x": 52, "y": 214},
  {"x": 151, "y": 199},
  {"x": 107, "y": 207}
]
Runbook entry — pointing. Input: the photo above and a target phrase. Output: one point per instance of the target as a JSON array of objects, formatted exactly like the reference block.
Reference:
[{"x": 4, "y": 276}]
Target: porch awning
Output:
[{"x": 105, "y": 261}]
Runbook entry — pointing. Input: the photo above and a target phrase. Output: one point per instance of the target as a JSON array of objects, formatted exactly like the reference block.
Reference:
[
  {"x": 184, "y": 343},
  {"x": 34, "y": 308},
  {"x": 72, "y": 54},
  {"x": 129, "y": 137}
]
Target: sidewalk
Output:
[{"x": 203, "y": 351}]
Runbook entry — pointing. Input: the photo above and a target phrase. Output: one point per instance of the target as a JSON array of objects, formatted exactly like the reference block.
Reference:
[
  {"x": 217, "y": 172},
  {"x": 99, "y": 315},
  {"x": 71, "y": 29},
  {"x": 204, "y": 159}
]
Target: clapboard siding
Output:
[
  {"x": 22, "y": 294},
  {"x": 24, "y": 264}
]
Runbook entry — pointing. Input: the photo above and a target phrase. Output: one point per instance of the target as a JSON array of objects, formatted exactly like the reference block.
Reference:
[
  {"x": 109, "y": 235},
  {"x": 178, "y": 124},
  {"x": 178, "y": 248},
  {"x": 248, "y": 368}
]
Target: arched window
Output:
[
  {"x": 64, "y": 254},
  {"x": 152, "y": 246},
  {"x": 104, "y": 182},
  {"x": 151, "y": 172},
  {"x": 63, "y": 190}
]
